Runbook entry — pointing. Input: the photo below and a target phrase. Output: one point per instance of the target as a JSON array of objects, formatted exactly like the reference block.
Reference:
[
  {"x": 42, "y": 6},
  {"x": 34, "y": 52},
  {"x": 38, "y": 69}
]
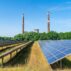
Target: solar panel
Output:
[{"x": 55, "y": 50}]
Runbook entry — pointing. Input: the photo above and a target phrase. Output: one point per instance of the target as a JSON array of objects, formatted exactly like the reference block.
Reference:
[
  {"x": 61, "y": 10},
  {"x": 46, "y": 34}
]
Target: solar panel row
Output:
[{"x": 55, "y": 50}]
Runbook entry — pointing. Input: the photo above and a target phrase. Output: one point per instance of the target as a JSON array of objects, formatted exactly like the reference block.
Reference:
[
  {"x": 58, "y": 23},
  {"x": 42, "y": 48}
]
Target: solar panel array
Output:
[{"x": 55, "y": 50}]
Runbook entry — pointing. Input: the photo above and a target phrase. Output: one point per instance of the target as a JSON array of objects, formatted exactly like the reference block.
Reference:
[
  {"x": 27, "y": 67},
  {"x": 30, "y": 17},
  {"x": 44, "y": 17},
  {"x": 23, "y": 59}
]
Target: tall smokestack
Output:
[
  {"x": 48, "y": 21},
  {"x": 23, "y": 24}
]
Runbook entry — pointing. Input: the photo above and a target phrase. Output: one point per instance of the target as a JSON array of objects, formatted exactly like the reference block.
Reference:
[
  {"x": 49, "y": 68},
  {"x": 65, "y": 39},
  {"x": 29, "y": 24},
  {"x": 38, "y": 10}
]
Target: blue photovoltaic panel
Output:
[{"x": 55, "y": 50}]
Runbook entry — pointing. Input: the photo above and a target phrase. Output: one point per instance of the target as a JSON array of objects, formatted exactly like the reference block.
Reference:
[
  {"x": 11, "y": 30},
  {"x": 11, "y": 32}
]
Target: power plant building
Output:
[{"x": 36, "y": 30}]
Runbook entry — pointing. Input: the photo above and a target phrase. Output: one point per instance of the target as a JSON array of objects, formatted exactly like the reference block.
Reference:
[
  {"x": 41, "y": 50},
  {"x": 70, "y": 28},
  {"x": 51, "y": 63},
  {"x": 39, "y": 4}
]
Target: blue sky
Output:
[{"x": 35, "y": 13}]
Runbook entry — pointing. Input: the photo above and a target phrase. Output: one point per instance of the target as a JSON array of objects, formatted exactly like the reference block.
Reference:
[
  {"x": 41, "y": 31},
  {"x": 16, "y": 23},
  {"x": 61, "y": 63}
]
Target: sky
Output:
[{"x": 35, "y": 15}]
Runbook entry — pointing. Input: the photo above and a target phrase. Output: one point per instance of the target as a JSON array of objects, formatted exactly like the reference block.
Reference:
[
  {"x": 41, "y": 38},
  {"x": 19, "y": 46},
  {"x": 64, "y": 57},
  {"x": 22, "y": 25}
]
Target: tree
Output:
[
  {"x": 53, "y": 35},
  {"x": 43, "y": 36}
]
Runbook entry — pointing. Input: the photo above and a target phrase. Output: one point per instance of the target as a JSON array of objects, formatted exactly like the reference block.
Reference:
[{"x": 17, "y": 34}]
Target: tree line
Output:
[
  {"x": 43, "y": 36},
  {"x": 27, "y": 36}
]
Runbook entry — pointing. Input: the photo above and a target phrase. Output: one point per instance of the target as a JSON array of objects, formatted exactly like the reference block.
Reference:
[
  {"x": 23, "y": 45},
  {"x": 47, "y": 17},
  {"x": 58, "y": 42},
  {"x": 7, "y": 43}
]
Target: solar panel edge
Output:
[
  {"x": 42, "y": 51},
  {"x": 60, "y": 59}
]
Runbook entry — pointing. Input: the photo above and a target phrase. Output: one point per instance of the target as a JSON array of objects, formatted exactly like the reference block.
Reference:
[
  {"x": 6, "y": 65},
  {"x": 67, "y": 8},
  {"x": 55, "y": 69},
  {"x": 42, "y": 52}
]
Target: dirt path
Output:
[{"x": 37, "y": 60}]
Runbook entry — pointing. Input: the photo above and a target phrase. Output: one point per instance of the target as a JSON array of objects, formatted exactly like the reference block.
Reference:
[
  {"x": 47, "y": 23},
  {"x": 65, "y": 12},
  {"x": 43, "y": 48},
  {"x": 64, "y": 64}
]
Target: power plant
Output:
[{"x": 37, "y": 30}]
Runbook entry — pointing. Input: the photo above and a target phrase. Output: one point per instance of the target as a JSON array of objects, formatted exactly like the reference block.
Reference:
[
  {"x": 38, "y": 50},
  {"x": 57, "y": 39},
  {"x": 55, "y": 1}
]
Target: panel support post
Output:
[
  {"x": 2, "y": 61},
  {"x": 61, "y": 64},
  {"x": 16, "y": 51},
  {"x": 20, "y": 49},
  {"x": 10, "y": 55}
]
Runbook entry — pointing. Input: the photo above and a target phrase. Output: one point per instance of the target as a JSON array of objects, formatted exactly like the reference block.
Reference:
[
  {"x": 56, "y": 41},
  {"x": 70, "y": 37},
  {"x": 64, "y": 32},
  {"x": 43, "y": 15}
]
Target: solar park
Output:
[{"x": 43, "y": 52}]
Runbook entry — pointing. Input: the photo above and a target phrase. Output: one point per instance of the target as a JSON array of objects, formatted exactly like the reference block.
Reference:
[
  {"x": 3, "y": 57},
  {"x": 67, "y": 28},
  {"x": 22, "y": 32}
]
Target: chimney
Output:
[
  {"x": 23, "y": 24},
  {"x": 48, "y": 21}
]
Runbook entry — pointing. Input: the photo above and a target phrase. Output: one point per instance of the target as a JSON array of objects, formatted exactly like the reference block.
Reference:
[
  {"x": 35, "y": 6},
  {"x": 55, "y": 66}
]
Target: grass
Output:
[{"x": 26, "y": 69}]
